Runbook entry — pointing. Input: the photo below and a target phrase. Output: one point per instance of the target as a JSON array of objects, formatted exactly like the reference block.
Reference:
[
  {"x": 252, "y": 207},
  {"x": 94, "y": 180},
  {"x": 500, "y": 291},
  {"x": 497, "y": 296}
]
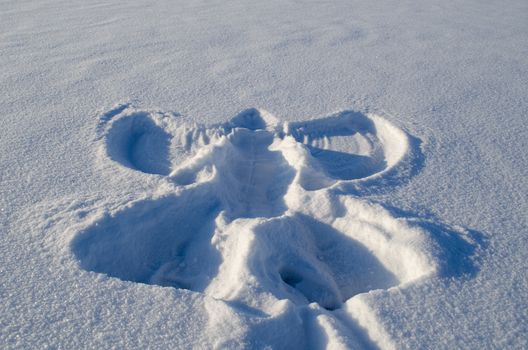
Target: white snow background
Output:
[{"x": 453, "y": 75}]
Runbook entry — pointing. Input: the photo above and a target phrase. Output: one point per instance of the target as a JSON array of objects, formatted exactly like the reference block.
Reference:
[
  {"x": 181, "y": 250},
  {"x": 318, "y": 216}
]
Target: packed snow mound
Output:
[{"x": 252, "y": 211}]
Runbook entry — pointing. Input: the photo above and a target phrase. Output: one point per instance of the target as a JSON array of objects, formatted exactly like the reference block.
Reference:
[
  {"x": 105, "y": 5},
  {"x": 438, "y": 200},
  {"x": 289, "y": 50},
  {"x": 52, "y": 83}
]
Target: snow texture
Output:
[{"x": 148, "y": 201}]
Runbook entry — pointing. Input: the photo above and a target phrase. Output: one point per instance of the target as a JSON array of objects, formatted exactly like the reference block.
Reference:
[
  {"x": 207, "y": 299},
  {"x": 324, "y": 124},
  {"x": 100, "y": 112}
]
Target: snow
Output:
[{"x": 283, "y": 174}]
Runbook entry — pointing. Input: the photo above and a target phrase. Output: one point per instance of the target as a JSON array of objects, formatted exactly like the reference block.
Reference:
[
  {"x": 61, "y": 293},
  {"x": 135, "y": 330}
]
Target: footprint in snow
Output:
[{"x": 258, "y": 214}]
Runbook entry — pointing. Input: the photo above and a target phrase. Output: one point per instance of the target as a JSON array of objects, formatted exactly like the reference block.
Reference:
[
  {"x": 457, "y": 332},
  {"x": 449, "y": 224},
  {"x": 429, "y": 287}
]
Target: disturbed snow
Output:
[{"x": 265, "y": 217}]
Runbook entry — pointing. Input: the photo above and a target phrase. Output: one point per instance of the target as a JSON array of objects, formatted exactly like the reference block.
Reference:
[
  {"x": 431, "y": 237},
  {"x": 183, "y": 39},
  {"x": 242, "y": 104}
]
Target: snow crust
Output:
[{"x": 380, "y": 204}]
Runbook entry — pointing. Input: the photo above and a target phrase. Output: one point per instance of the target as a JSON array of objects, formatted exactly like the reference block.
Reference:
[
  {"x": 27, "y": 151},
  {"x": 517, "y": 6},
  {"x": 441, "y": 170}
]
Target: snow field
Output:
[{"x": 451, "y": 74}]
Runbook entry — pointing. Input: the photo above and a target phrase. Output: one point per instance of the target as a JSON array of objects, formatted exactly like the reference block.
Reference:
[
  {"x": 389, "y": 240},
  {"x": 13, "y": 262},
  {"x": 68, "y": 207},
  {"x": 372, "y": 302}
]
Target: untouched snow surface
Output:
[{"x": 281, "y": 174}]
